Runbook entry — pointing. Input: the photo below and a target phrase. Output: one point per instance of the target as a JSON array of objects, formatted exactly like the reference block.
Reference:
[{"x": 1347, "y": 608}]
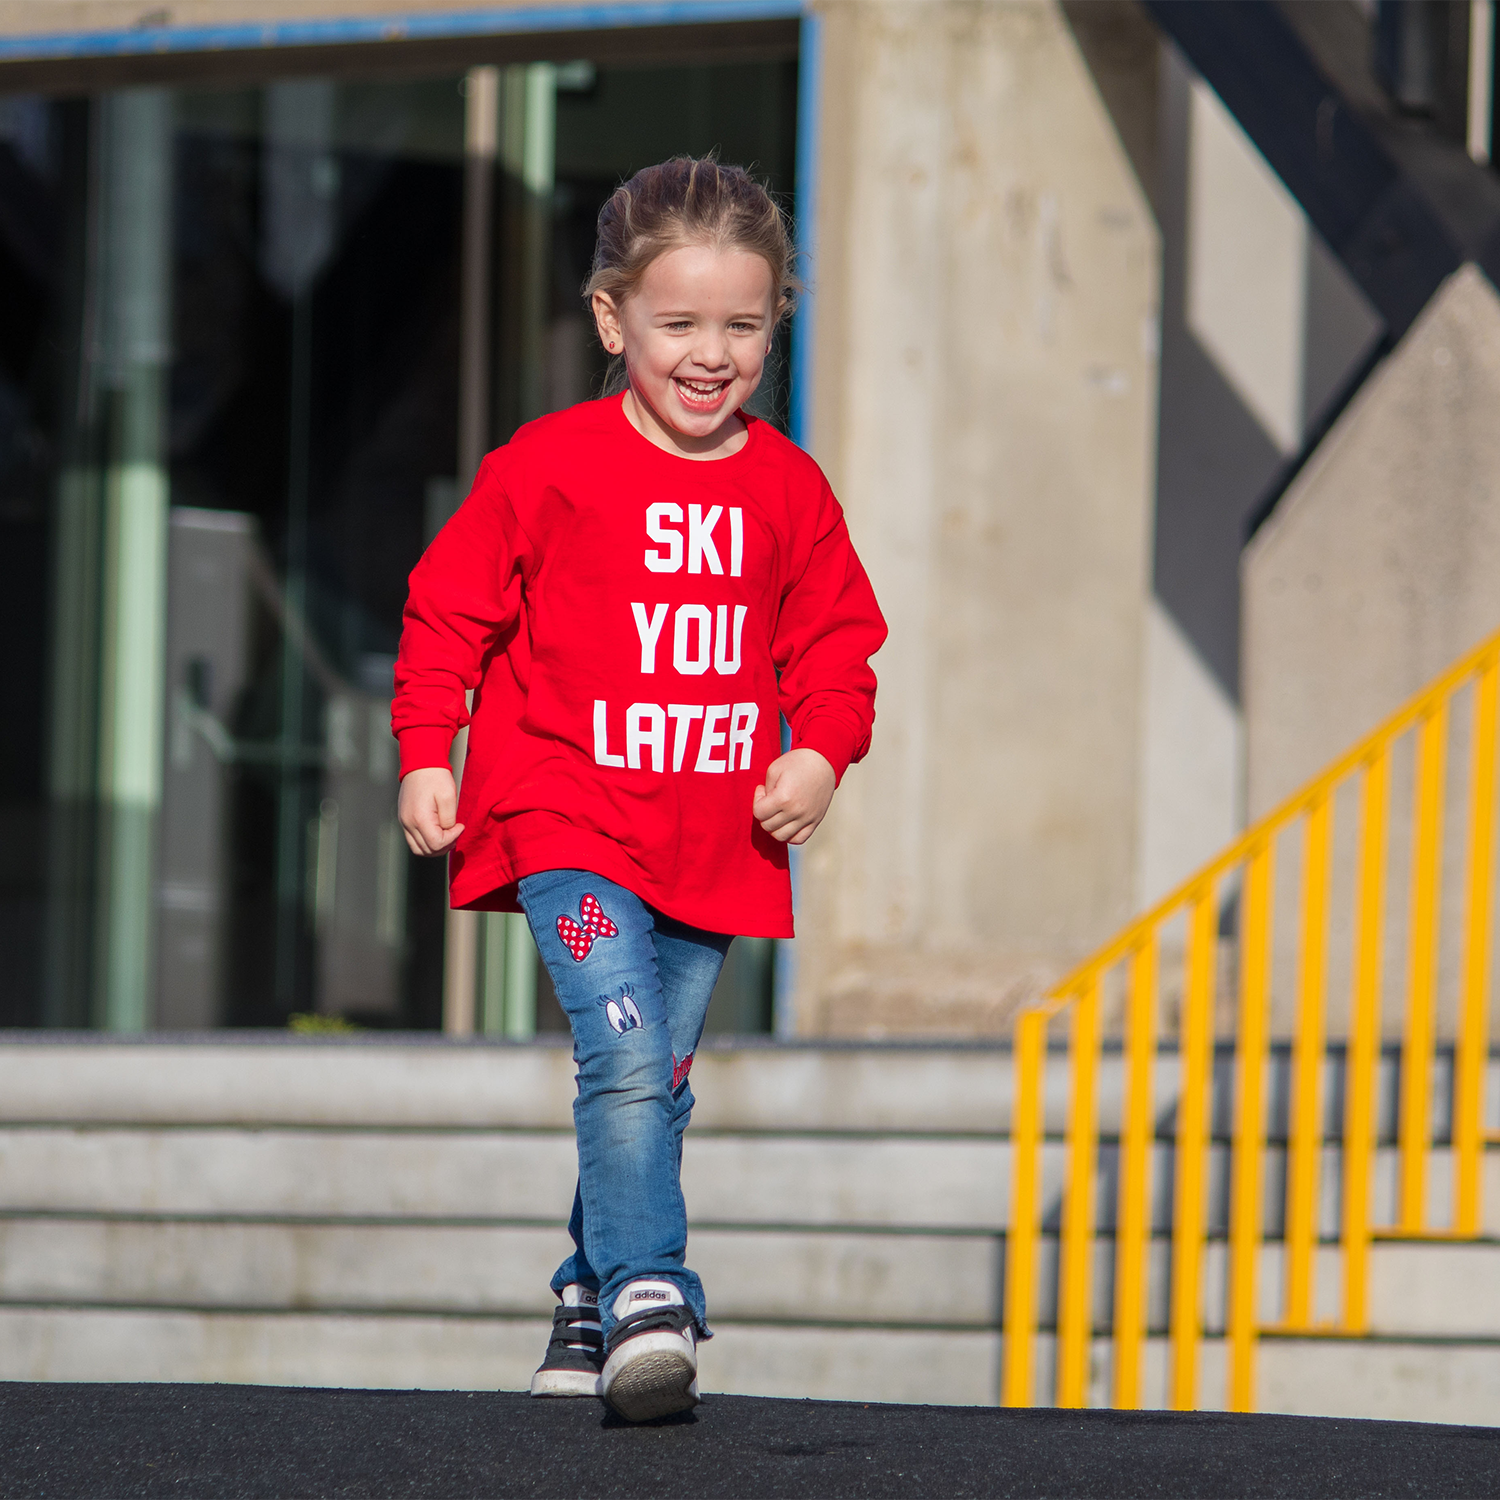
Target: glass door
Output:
[
  {"x": 253, "y": 343},
  {"x": 263, "y": 427}
]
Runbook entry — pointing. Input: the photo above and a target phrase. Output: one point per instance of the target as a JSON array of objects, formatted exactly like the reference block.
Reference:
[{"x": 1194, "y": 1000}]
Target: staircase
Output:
[
  {"x": 387, "y": 1212},
  {"x": 1308, "y": 1222},
  {"x": 379, "y": 1212}
]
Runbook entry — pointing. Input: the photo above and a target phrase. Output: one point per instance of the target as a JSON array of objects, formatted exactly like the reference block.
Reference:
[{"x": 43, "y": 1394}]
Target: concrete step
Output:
[
  {"x": 403, "y": 1351},
  {"x": 1422, "y": 1289},
  {"x": 1404, "y": 1380},
  {"x": 425, "y": 1080},
  {"x": 882, "y": 1180},
  {"x": 418, "y": 1079},
  {"x": 325, "y": 1173},
  {"x": 817, "y": 1276},
  {"x": 1427, "y": 1289},
  {"x": 1417, "y": 1289},
  {"x": 379, "y": 1212},
  {"x": 939, "y": 1182}
]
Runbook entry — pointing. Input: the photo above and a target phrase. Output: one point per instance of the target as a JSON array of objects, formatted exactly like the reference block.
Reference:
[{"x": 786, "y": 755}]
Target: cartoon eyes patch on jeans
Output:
[{"x": 622, "y": 1013}]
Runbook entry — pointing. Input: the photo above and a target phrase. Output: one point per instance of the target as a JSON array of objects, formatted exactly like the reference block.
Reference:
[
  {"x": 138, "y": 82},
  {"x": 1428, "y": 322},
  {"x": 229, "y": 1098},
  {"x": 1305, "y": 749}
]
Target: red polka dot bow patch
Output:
[{"x": 578, "y": 938}]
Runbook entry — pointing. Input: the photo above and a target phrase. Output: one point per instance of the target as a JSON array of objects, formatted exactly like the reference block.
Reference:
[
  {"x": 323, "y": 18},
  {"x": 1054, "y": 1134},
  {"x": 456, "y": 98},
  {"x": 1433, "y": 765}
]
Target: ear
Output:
[{"x": 607, "y": 322}]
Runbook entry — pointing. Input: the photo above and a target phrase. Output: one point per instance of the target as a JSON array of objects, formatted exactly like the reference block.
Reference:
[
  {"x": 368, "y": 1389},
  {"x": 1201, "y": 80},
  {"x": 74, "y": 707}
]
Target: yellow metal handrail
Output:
[{"x": 1135, "y": 953}]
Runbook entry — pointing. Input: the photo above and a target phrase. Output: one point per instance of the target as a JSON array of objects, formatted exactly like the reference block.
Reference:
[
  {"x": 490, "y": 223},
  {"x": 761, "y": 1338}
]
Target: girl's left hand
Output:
[{"x": 799, "y": 786}]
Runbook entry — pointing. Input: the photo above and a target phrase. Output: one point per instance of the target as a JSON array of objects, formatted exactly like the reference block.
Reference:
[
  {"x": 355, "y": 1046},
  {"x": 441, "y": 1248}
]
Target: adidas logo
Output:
[{"x": 649, "y": 1296}]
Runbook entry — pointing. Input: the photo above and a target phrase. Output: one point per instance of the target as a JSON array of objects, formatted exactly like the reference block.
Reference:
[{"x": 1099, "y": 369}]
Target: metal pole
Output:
[
  {"x": 1190, "y": 1168},
  {"x": 137, "y": 204},
  {"x": 299, "y": 228},
  {"x": 1133, "y": 1216},
  {"x": 481, "y": 147}
]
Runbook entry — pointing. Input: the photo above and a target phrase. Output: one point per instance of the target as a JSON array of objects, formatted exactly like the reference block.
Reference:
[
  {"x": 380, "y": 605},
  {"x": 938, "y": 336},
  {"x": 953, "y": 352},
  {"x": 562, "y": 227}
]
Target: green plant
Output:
[{"x": 306, "y": 1023}]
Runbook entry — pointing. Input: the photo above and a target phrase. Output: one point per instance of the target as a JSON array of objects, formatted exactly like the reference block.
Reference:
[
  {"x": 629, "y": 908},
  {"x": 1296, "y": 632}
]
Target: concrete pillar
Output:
[{"x": 984, "y": 406}]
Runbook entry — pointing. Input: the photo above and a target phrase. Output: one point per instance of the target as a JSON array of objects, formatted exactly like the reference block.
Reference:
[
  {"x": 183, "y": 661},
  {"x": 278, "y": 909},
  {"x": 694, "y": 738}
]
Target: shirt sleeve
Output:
[
  {"x": 828, "y": 628},
  {"x": 463, "y": 595}
]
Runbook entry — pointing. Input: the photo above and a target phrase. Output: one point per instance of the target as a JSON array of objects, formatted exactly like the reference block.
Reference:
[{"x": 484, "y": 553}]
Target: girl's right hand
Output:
[{"x": 427, "y": 808}]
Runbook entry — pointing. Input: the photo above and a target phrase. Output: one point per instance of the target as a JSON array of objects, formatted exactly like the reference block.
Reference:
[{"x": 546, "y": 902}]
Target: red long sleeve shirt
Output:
[{"x": 631, "y": 624}]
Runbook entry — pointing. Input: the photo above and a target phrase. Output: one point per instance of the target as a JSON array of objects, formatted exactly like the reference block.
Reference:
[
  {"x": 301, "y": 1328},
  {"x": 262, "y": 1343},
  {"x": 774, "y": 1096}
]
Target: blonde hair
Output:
[{"x": 689, "y": 200}]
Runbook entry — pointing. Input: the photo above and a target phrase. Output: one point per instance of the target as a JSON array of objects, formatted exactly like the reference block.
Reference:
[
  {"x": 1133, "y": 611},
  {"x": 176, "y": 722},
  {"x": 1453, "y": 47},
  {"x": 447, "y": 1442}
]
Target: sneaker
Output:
[
  {"x": 575, "y": 1355},
  {"x": 651, "y": 1358}
]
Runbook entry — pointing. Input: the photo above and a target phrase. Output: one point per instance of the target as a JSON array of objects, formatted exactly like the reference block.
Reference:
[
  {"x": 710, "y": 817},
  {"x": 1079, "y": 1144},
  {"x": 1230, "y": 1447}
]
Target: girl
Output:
[{"x": 634, "y": 591}]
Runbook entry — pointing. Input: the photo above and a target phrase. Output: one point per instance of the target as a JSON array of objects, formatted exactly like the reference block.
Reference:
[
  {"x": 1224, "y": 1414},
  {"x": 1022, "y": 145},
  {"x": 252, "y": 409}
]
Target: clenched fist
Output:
[
  {"x": 799, "y": 786},
  {"x": 427, "y": 809}
]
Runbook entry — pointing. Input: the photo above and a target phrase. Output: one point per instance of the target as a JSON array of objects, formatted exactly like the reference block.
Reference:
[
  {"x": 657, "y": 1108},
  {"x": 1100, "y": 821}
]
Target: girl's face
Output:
[{"x": 695, "y": 335}]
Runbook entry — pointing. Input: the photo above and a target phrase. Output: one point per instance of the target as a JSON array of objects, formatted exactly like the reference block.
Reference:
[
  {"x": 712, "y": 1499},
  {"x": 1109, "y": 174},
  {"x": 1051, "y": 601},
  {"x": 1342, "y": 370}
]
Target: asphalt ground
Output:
[{"x": 106, "y": 1441}]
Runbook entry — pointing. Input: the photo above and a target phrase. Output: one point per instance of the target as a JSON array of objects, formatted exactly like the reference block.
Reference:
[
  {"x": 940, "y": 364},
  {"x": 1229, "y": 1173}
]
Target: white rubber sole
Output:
[
  {"x": 652, "y": 1375},
  {"x": 564, "y": 1383}
]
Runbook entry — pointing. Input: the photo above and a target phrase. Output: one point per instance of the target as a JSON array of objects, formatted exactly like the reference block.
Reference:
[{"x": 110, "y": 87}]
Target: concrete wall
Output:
[
  {"x": 1382, "y": 564},
  {"x": 1260, "y": 328},
  {"x": 1379, "y": 568},
  {"x": 985, "y": 386}
]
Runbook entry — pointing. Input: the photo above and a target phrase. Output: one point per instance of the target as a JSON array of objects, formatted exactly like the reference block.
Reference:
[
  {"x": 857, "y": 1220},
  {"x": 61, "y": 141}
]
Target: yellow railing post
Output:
[
  {"x": 1421, "y": 991},
  {"x": 1021, "y": 1241},
  {"x": 1133, "y": 1211},
  {"x": 1248, "y": 1140},
  {"x": 1426, "y": 714},
  {"x": 1075, "y": 1302},
  {"x": 1195, "y": 1050},
  {"x": 1362, "y": 1057},
  {"x": 1473, "y": 1026},
  {"x": 1305, "y": 1147}
]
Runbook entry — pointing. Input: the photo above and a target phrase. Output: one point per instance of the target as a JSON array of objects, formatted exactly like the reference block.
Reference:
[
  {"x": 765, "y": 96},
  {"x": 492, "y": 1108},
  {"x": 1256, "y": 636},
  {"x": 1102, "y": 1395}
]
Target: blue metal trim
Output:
[
  {"x": 396, "y": 28},
  {"x": 809, "y": 127}
]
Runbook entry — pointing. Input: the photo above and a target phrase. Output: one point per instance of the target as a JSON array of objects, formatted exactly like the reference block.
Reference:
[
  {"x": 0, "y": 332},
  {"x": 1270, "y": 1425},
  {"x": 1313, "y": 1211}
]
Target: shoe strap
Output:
[
  {"x": 676, "y": 1319},
  {"x": 577, "y": 1325}
]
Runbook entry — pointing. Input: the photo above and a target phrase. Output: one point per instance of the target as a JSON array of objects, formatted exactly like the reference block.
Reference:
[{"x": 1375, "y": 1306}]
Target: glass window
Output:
[{"x": 240, "y": 336}]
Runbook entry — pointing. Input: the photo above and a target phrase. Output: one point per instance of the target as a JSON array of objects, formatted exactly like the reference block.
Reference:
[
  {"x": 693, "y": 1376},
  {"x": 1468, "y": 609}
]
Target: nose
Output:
[{"x": 711, "y": 349}]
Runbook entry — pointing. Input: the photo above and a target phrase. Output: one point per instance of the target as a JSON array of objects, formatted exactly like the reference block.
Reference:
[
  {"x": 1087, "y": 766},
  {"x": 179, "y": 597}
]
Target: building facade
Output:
[{"x": 1093, "y": 304}]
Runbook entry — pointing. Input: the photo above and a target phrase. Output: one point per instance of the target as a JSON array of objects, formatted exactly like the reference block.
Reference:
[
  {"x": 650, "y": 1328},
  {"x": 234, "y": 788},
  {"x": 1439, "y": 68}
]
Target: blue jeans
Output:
[{"x": 635, "y": 985}]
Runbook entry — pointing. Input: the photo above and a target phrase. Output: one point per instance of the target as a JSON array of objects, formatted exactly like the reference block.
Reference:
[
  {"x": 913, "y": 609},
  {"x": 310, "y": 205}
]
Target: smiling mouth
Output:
[{"x": 701, "y": 395}]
